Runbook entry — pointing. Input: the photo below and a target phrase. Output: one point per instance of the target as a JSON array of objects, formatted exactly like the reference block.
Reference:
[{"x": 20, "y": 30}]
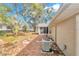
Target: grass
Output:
[
  {"x": 9, "y": 39},
  {"x": 13, "y": 38},
  {"x": 2, "y": 33}
]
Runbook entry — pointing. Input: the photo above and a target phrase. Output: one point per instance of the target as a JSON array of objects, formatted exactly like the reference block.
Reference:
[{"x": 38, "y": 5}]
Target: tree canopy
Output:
[{"x": 27, "y": 13}]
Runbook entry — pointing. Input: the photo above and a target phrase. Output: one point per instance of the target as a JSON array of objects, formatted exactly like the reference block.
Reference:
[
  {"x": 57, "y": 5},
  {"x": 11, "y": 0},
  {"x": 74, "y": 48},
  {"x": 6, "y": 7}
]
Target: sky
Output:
[{"x": 20, "y": 7}]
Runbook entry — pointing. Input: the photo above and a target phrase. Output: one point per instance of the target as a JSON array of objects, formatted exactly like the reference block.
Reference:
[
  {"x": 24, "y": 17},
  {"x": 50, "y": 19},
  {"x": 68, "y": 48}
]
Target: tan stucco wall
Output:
[
  {"x": 66, "y": 35},
  {"x": 67, "y": 29},
  {"x": 53, "y": 33},
  {"x": 77, "y": 35}
]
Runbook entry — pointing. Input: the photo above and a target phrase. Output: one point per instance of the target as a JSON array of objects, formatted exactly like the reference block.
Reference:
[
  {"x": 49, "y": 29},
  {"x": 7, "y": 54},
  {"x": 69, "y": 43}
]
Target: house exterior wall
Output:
[
  {"x": 53, "y": 33},
  {"x": 77, "y": 35},
  {"x": 66, "y": 36},
  {"x": 66, "y": 31},
  {"x": 3, "y": 27}
]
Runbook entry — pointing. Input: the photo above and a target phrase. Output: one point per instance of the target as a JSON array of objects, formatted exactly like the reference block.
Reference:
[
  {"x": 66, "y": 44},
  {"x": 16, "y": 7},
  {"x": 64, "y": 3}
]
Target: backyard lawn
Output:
[
  {"x": 12, "y": 44},
  {"x": 10, "y": 38}
]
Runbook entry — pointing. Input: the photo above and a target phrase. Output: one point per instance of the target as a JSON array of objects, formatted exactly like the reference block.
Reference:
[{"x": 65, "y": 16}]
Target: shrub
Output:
[{"x": 2, "y": 33}]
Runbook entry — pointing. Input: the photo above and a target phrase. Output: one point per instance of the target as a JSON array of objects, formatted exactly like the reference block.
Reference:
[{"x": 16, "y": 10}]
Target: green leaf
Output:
[{"x": 4, "y": 9}]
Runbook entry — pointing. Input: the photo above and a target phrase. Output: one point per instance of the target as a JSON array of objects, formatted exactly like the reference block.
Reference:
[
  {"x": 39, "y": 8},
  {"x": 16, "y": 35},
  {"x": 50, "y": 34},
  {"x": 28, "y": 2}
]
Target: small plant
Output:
[{"x": 2, "y": 33}]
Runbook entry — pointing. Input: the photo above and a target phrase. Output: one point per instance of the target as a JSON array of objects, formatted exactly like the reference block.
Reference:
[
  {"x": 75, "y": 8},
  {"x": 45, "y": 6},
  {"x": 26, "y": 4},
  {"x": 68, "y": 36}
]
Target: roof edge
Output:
[{"x": 60, "y": 10}]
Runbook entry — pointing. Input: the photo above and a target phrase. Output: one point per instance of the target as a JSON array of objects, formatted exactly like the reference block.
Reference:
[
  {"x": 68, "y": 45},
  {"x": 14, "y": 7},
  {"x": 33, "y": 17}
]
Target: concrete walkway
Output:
[{"x": 34, "y": 49}]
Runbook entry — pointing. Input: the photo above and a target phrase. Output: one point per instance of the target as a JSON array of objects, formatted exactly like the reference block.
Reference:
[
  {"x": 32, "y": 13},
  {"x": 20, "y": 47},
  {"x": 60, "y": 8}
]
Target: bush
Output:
[{"x": 2, "y": 33}]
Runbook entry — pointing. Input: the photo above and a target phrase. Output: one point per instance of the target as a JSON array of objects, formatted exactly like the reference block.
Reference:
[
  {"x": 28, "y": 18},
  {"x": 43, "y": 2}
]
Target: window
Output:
[{"x": 44, "y": 30}]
